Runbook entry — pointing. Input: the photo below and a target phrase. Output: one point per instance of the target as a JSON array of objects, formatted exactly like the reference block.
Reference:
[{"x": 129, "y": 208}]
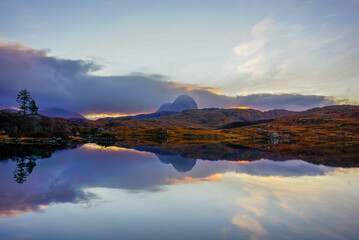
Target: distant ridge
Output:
[
  {"x": 62, "y": 113},
  {"x": 10, "y": 110},
  {"x": 211, "y": 118},
  {"x": 152, "y": 115}
]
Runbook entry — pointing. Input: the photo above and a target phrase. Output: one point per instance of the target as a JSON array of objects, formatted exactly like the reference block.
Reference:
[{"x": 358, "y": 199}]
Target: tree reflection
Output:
[
  {"x": 25, "y": 156},
  {"x": 25, "y": 165}
]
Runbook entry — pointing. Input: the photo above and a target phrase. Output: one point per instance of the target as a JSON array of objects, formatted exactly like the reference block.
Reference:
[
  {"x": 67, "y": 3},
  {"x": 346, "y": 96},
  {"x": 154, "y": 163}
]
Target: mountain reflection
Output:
[
  {"x": 65, "y": 176},
  {"x": 181, "y": 164}
]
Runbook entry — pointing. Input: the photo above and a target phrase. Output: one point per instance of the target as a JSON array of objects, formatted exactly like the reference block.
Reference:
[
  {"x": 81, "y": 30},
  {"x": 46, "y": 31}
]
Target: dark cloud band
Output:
[{"x": 71, "y": 84}]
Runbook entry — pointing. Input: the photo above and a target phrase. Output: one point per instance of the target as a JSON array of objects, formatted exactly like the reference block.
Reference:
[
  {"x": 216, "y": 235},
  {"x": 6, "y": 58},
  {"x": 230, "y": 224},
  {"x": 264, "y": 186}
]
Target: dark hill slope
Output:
[
  {"x": 15, "y": 124},
  {"x": 211, "y": 118}
]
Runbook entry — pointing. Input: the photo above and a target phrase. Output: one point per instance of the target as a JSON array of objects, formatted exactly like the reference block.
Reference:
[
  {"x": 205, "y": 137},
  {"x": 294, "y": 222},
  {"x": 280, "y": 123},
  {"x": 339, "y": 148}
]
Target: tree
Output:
[
  {"x": 32, "y": 107},
  {"x": 23, "y": 99}
]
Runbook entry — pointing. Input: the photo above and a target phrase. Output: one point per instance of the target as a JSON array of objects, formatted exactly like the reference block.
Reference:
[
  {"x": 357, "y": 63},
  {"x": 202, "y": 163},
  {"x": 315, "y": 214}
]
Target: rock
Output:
[{"x": 273, "y": 134}]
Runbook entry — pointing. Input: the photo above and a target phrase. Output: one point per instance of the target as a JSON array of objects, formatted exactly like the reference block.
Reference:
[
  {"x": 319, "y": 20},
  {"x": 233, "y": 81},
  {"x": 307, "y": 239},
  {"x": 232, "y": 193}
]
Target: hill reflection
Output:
[
  {"x": 183, "y": 157},
  {"x": 55, "y": 175}
]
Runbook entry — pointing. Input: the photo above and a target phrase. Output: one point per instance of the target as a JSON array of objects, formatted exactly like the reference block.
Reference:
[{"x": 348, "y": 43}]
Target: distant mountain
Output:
[
  {"x": 10, "y": 110},
  {"x": 164, "y": 107},
  {"x": 62, "y": 113},
  {"x": 183, "y": 102}
]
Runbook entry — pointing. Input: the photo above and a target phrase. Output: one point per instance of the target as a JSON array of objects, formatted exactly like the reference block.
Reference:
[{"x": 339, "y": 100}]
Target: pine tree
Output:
[
  {"x": 23, "y": 99},
  {"x": 32, "y": 107}
]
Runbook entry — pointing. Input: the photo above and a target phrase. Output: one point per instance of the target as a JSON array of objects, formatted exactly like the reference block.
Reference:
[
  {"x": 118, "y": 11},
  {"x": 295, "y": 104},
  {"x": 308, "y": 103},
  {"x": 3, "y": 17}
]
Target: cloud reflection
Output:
[{"x": 67, "y": 174}]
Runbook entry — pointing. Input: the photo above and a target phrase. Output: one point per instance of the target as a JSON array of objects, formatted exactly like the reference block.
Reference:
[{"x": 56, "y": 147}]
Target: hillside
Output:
[
  {"x": 16, "y": 125},
  {"x": 247, "y": 126},
  {"x": 326, "y": 122},
  {"x": 210, "y": 118}
]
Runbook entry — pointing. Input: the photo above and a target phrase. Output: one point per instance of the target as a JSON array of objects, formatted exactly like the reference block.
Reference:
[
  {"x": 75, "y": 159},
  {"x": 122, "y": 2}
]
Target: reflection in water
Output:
[
  {"x": 24, "y": 168},
  {"x": 181, "y": 164},
  {"x": 107, "y": 192}
]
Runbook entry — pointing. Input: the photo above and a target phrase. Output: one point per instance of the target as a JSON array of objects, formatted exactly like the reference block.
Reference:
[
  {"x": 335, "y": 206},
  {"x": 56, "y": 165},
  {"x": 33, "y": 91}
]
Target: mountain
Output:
[
  {"x": 183, "y": 102},
  {"x": 164, "y": 107},
  {"x": 10, "y": 110},
  {"x": 62, "y": 113}
]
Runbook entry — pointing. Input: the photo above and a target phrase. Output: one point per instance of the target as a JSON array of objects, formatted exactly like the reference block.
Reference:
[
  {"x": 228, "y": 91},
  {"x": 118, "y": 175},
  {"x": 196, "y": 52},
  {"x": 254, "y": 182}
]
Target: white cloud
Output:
[
  {"x": 254, "y": 65},
  {"x": 263, "y": 28},
  {"x": 249, "y": 48},
  {"x": 291, "y": 57},
  {"x": 259, "y": 39},
  {"x": 249, "y": 223}
]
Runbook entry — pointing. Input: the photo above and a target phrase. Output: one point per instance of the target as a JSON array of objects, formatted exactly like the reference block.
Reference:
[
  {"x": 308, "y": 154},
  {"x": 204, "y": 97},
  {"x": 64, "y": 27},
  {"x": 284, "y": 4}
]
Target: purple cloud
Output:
[{"x": 72, "y": 84}]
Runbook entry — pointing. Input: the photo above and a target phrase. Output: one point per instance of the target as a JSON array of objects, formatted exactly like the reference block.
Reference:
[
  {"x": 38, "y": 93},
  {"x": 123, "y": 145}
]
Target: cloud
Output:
[
  {"x": 247, "y": 222},
  {"x": 266, "y": 202},
  {"x": 284, "y": 101},
  {"x": 249, "y": 48},
  {"x": 290, "y": 55},
  {"x": 73, "y": 85},
  {"x": 259, "y": 39},
  {"x": 254, "y": 66}
]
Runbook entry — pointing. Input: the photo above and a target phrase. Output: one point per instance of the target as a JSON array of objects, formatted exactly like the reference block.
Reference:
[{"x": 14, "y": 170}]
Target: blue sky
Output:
[{"x": 233, "y": 47}]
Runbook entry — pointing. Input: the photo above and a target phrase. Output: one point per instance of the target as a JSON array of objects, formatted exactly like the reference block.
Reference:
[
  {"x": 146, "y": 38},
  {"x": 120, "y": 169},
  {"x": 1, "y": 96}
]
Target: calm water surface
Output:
[{"x": 93, "y": 192}]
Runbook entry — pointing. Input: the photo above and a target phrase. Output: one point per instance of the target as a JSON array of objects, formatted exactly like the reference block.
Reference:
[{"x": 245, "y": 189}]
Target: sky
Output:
[{"x": 130, "y": 56}]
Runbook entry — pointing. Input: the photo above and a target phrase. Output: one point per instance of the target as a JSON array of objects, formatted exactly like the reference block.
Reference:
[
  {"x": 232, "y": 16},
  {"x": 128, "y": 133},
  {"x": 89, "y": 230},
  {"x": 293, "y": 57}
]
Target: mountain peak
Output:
[
  {"x": 183, "y": 102},
  {"x": 184, "y": 98}
]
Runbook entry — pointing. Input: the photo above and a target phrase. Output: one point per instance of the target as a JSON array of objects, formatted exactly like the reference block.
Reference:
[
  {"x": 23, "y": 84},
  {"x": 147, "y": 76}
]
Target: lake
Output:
[{"x": 143, "y": 192}]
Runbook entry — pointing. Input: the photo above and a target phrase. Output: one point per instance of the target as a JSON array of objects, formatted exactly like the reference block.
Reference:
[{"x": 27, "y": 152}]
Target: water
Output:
[{"x": 94, "y": 192}]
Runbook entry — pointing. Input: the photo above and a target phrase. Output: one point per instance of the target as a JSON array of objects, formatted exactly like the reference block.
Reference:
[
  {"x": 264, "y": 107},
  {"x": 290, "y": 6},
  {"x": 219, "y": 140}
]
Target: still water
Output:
[{"x": 95, "y": 192}]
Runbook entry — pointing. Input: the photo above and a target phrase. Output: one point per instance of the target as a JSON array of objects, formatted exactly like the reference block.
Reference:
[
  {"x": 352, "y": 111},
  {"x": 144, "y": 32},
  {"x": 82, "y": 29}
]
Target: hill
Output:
[
  {"x": 17, "y": 125},
  {"x": 249, "y": 127},
  {"x": 210, "y": 118},
  {"x": 62, "y": 113},
  {"x": 318, "y": 123}
]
